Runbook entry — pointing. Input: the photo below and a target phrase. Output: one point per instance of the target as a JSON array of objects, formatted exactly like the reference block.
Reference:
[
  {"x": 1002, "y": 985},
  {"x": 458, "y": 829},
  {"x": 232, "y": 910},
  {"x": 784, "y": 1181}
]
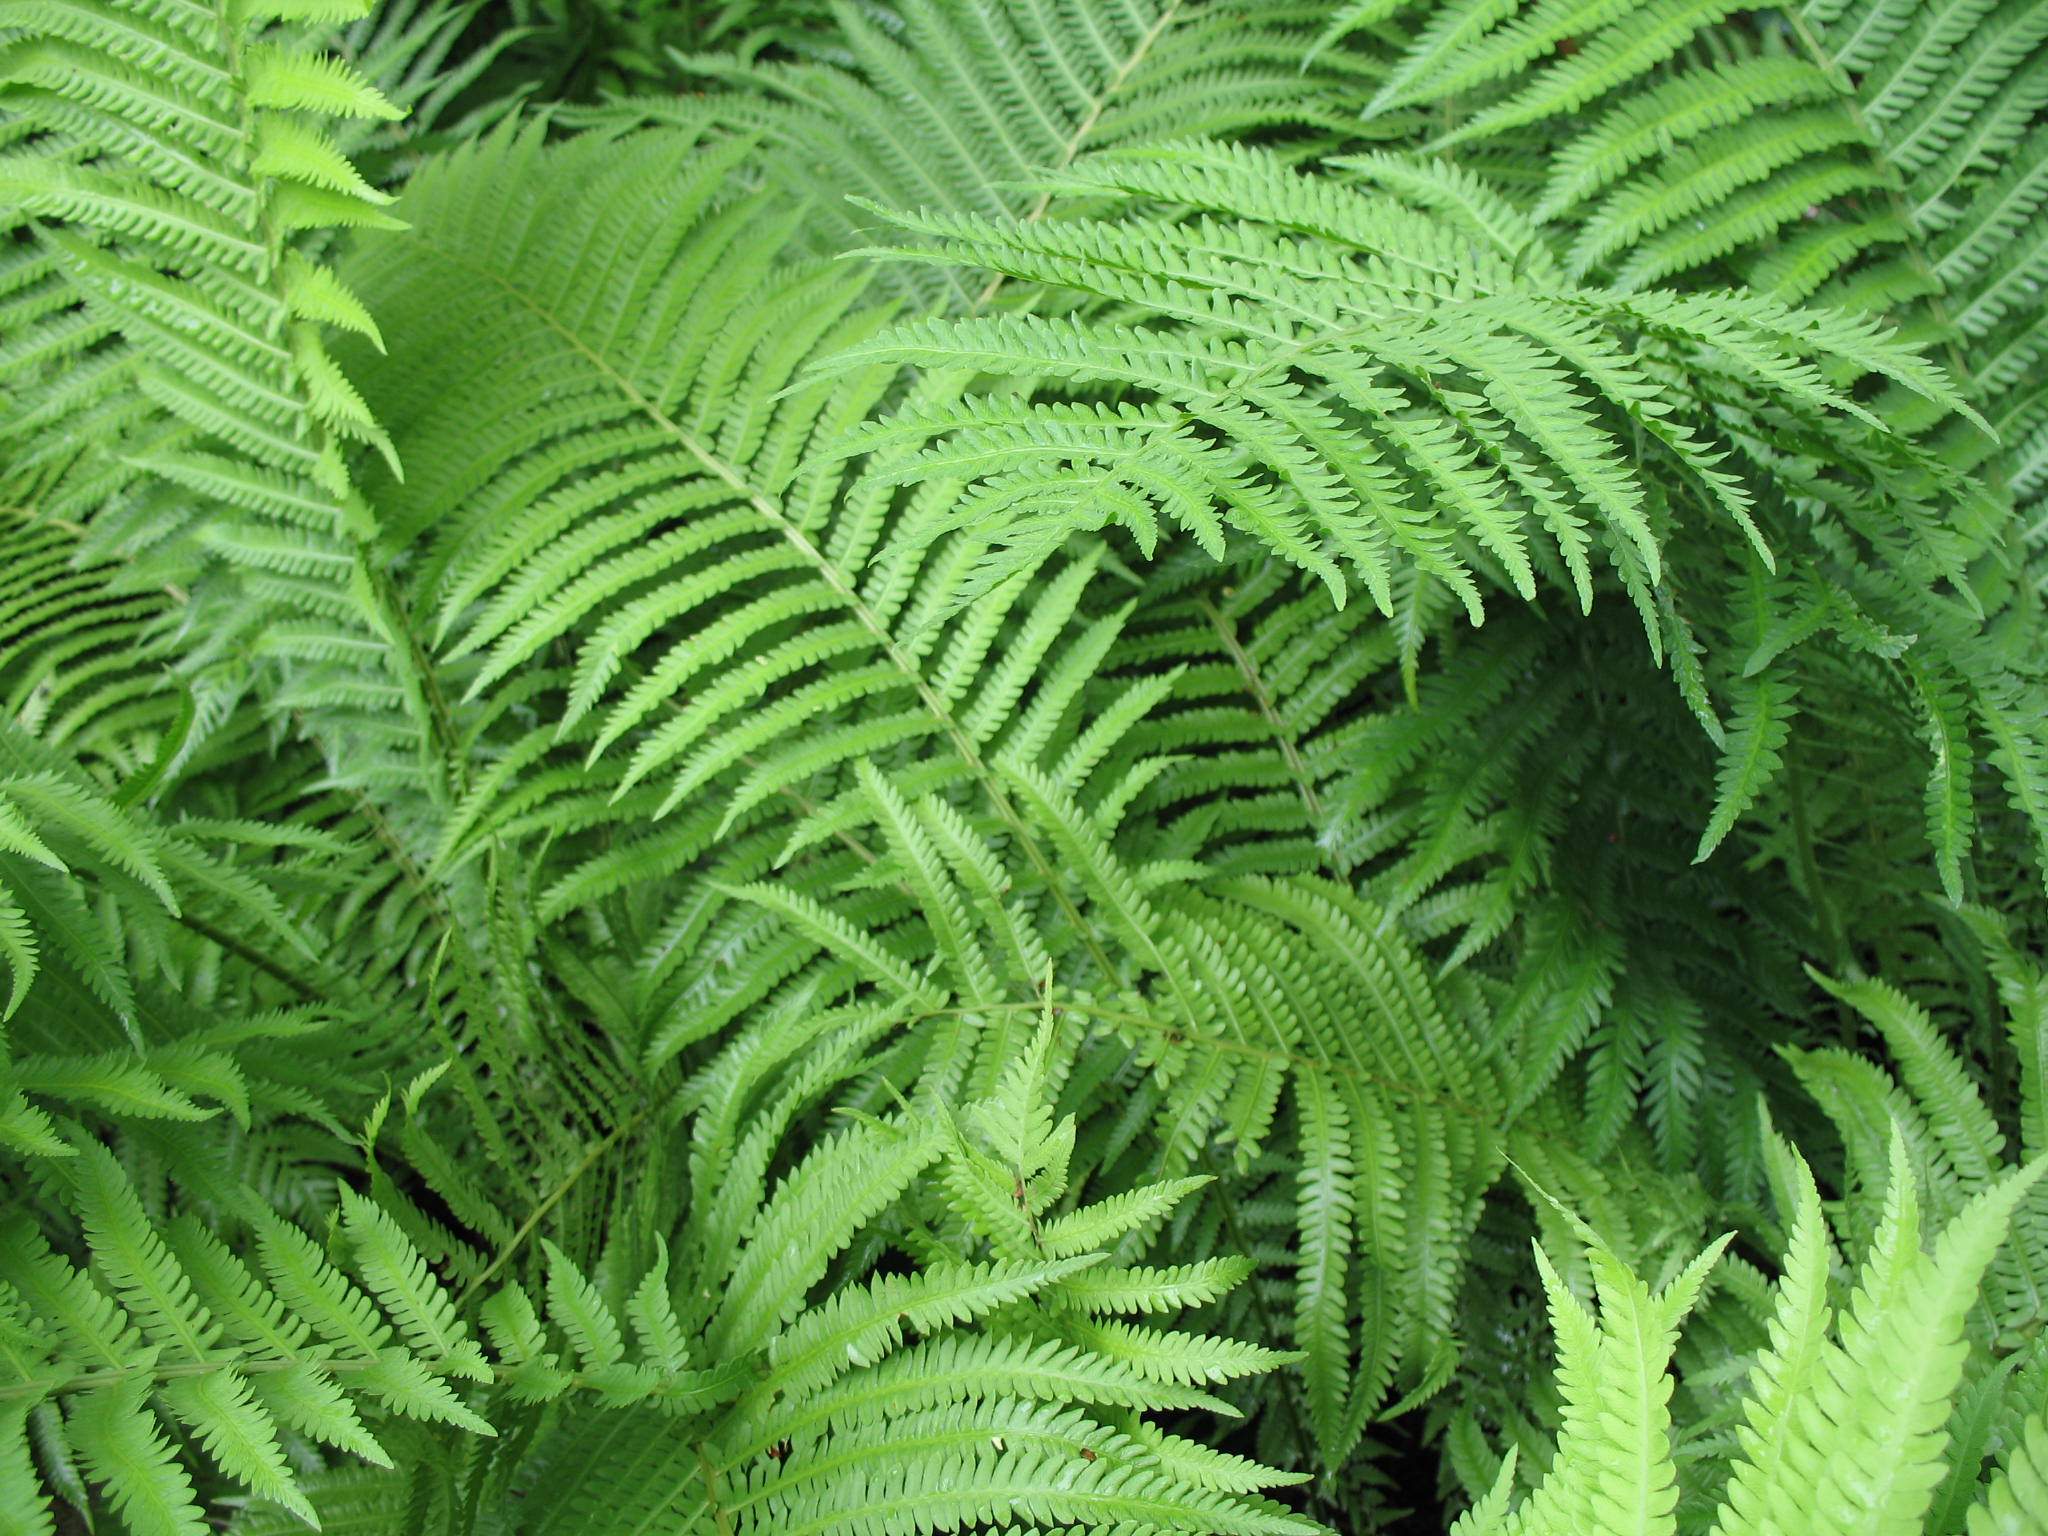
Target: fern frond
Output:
[
  {"x": 953, "y": 108},
  {"x": 182, "y": 1328},
  {"x": 1614, "y": 1470},
  {"x": 1752, "y": 754},
  {"x": 1254, "y": 305},
  {"x": 1858, "y": 1461},
  {"x": 2013, "y": 1504}
]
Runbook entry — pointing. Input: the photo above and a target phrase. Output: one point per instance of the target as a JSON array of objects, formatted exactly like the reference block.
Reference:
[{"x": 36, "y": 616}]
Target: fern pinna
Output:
[{"x": 948, "y": 782}]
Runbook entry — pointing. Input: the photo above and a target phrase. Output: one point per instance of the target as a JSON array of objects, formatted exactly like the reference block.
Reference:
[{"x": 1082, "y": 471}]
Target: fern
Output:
[
  {"x": 941, "y": 779},
  {"x": 1838, "y": 1422},
  {"x": 1842, "y": 1425},
  {"x": 945, "y": 107}
]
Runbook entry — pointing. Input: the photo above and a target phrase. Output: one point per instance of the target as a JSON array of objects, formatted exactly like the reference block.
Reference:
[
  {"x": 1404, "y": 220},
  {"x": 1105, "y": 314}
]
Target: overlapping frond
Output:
[
  {"x": 1362, "y": 386},
  {"x": 720, "y": 1391},
  {"x": 74, "y": 643},
  {"x": 171, "y": 385},
  {"x": 930, "y": 684},
  {"x": 952, "y": 107},
  {"x": 164, "y": 1329},
  {"x": 1880, "y": 155},
  {"x": 1842, "y": 1420}
]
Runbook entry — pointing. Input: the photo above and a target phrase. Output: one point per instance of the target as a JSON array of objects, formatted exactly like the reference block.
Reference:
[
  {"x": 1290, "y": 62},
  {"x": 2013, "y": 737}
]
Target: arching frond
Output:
[{"x": 944, "y": 106}]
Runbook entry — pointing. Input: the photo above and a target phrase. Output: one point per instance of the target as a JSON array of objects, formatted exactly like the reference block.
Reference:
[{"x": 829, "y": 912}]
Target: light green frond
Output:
[
  {"x": 860, "y": 1172},
  {"x": 950, "y": 107},
  {"x": 1785, "y": 1374},
  {"x": 1614, "y": 1471},
  {"x": 1952, "y": 1103},
  {"x": 122, "y": 1443},
  {"x": 2016, "y": 1504},
  {"x": 400, "y": 1279},
  {"x": 1861, "y": 1459},
  {"x": 1615, "y": 56}
]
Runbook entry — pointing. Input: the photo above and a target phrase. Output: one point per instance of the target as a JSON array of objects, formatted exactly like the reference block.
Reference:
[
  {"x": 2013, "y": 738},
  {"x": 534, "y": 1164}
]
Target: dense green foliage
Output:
[{"x": 1129, "y": 765}]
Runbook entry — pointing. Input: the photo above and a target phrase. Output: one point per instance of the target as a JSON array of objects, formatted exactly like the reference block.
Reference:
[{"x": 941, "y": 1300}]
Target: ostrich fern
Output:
[{"x": 946, "y": 786}]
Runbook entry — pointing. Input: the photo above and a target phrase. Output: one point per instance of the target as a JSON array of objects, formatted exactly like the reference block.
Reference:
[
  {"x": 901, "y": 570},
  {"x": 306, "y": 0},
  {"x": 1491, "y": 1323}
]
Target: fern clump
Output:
[
  {"x": 996, "y": 1373},
  {"x": 915, "y": 767},
  {"x": 1840, "y": 1427}
]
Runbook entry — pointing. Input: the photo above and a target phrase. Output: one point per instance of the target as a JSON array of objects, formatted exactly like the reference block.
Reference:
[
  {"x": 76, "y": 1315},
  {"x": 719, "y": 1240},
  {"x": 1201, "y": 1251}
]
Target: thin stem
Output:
[
  {"x": 1086, "y": 126},
  {"x": 554, "y": 1197},
  {"x": 1825, "y": 921},
  {"x": 719, "y": 1513},
  {"x": 1269, "y": 711}
]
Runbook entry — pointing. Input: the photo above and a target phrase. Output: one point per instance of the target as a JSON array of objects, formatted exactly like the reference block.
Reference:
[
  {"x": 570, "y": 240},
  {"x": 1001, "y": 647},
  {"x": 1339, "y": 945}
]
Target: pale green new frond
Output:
[
  {"x": 576, "y": 1307},
  {"x": 1784, "y": 1375},
  {"x": 131, "y": 1256},
  {"x": 2016, "y": 1504},
  {"x": 239, "y": 1434},
  {"x": 1865, "y": 1458},
  {"x": 88, "y": 1324},
  {"x": 1489, "y": 1516},
  {"x": 1841, "y": 1430},
  {"x": 343, "y": 1314},
  {"x": 1614, "y": 1471}
]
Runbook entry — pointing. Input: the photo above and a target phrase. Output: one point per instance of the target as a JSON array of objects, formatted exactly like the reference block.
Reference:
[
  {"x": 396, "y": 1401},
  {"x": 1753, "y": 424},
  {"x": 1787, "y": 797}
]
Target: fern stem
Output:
[
  {"x": 234, "y": 946},
  {"x": 1086, "y": 126},
  {"x": 1826, "y": 923},
  {"x": 719, "y": 1513},
  {"x": 1290, "y": 750},
  {"x": 554, "y": 1197},
  {"x": 440, "y": 717},
  {"x": 466, "y": 983}
]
